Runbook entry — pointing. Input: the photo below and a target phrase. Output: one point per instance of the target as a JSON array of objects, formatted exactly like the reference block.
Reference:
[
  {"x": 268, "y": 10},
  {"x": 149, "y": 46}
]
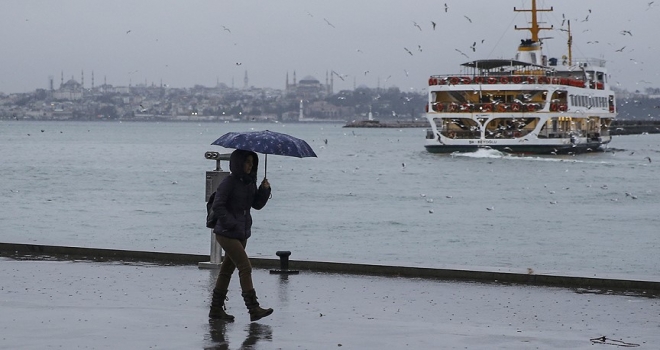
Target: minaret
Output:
[
  {"x": 300, "y": 113},
  {"x": 327, "y": 85},
  {"x": 92, "y": 80},
  {"x": 245, "y": 81},
  {"x": 82, "y": 80},
  {"x": 294, "y": 77},
  {"x": 286, "y": 87},
  {"x": 61, "y": 79},
  {"x": 332, "y": 84}
]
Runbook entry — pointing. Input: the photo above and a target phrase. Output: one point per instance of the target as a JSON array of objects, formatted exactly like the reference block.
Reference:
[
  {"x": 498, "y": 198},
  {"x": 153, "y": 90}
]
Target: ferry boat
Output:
[{"x": 530, "y": 104}]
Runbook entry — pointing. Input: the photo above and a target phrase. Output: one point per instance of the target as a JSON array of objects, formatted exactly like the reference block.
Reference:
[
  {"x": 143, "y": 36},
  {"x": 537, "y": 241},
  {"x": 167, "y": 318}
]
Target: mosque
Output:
[{"x": 309, "y": 87}]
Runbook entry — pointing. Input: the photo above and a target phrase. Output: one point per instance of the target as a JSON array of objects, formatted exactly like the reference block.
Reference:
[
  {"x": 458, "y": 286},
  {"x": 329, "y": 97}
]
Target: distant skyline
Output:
[{"x": 200, "y": 42}]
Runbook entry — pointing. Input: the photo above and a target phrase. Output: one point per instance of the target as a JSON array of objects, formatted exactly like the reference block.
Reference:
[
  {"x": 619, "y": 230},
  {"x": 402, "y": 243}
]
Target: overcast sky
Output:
[{"x": 190, "y": 42}]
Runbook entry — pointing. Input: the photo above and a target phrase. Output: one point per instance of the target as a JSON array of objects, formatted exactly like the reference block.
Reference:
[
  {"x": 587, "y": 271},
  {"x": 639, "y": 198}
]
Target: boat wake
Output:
[{"x": 489, "y": 153}]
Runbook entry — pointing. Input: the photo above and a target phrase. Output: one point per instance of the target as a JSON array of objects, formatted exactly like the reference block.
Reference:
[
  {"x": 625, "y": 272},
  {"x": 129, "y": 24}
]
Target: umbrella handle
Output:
[{"x": 265, "y": 166}]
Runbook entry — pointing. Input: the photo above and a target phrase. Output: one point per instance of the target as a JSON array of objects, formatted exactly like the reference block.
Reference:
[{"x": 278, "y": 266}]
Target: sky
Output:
[{"x": 202, "y": 42}]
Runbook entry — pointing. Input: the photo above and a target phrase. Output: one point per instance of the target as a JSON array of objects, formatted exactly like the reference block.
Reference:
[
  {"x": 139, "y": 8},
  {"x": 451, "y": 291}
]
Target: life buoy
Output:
[
  {"x": 466, "y": 107},
  {"x": 431, "y": 81},
  {"x": 516, "y": 134},
  {"x": 530, "y": 107},
  {"x": 531, "y": 80},
  {"x": 454, "y": 80},
  {"x": 492, "y": 80},
  {"x": 515, "y": 107},
  {"x": 426, "y": 108},
  {"x": 504, "y": 80},
  {"x": 453, "y": 107},
  {"x": 451, "y": 135},
  {"x": 516, "y": 79},
  {"x": 487, "y": 108},
  {"x": 438, "y": 107},
  {"x": 611, "y": 109},
  {"x": 543, "y": 80},
  {"x": 563, "y": 108},
  {"x": 466, "y": 80},
  {"x": 553, "y": 107},
  {"x": 442, "y": 81},
  {"x": 501, "y": 107},
  {"x": 555, "y": 80},
  {"x": 478, "y": 80}
]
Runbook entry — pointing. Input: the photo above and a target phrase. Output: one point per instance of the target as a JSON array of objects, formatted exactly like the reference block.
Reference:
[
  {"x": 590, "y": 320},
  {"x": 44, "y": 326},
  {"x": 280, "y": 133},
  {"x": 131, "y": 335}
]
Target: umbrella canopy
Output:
[{"x": 266, "y": 142}]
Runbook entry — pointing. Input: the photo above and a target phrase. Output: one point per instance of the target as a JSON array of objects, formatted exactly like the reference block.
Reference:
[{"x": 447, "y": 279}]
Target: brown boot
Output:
[
  {"x": 256, "y": 313},
  {"x": 217, "y": 311}
]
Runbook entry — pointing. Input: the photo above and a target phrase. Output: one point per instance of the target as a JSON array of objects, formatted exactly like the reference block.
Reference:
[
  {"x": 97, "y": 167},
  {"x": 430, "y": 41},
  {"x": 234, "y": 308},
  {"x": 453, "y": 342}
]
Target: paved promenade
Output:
[{"x": 68, "y": 304}]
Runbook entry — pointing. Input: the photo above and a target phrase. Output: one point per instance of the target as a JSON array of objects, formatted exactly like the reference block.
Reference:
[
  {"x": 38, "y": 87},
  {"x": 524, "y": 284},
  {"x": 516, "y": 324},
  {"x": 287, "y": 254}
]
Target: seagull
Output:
[
  {"x": 620, "y": 50},
  {"x": 490, "y": 208},
  {"x": 563, "y": 19},
  {"x": 586, "y": 19},
  {"x": 408, "y": 51},
  {"x": 405, "y": 71},
  {"x": 468, "y": 18},
  {"x": 330, "y": 24},
  {"x": 433, "y": 24},
  {"x": 624, "y": 32},
  {"x": 648, "y": 158},
  {"x": 446, "y": 7},
  {"x": 417, "y": 25},
  {"x": 128, "y": 31},
  {"x": 225, "y": 28},
  {"x": 419, "y": 47},
  {"x": 461, "y": 52},
  {"x": 366, "y": 72},
  {"x": 473, "y": 46}
]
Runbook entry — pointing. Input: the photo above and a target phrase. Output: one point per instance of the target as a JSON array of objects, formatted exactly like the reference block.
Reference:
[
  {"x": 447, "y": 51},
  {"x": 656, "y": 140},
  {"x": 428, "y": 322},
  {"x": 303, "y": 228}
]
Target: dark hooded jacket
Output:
[{"x": 235, "y": 195}]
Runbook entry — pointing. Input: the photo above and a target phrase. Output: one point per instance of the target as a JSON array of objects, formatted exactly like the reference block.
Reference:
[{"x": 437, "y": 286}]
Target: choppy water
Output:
[{"x": 372, "y": 195}]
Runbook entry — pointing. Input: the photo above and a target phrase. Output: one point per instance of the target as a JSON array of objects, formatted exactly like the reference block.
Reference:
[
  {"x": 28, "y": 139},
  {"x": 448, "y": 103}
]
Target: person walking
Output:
[{"x": 235, "y": 195}]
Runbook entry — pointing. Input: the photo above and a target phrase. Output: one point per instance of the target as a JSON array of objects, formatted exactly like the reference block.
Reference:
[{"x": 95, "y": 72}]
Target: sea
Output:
[{"x": 373, "y": 195}]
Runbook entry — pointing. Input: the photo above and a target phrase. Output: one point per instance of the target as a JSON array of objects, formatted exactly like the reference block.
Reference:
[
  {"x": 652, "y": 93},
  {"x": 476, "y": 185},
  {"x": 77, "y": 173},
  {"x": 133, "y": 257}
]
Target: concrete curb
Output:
[{"x": 19, "y": 250}]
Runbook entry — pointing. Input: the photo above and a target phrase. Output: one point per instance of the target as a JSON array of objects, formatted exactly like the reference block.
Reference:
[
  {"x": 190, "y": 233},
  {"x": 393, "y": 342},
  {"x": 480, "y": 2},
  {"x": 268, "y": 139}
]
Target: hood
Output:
[{"x": 236, "y": 161}]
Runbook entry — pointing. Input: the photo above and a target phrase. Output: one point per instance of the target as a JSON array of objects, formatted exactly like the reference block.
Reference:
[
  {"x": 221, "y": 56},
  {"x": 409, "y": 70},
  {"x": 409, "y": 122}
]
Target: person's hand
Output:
[{"x": 265, "y": 183}]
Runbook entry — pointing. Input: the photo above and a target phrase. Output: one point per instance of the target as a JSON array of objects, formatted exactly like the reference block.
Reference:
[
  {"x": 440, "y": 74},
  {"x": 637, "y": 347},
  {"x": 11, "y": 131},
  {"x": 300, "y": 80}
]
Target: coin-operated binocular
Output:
[{"x": 213, "y": 179}]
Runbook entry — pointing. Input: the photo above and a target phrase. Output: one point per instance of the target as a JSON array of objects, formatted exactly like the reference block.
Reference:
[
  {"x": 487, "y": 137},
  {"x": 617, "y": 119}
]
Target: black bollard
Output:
[{"x": 284, "y": 263}]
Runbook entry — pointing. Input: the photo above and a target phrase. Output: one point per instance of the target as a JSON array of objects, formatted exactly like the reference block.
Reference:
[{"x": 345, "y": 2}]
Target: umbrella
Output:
[{"x": 266, "y": 142}]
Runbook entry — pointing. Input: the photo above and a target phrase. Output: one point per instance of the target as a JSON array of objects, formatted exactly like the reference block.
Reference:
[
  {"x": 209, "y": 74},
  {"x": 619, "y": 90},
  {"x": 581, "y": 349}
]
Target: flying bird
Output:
[
  {"x": 433, "y": 24},
  {"x": 419, "y": 47},
  {"x": 446, "y": 7},
  {"x": 473, "y": 47},
  {"x": 128, "y": 31},
  {"x": 648, "y": 158},
  {"x": 468, "y": 18},
  {"x": 405, "y": 71},
  {"x": 408, "y": 51},
  {"x": 624, "y": 32},
  {"x": 225, "y": 28},
  {"x": 621, "y": 49},
  {"x": 328, "y": 22},
  {"x": 417, "y": 25},
  {"x": 461, "y": 52}
]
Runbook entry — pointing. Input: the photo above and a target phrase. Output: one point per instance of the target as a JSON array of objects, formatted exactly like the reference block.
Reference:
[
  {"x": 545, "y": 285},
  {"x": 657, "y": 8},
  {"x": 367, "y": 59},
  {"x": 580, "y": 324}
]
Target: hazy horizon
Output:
[{"x": 203, "y": 42}]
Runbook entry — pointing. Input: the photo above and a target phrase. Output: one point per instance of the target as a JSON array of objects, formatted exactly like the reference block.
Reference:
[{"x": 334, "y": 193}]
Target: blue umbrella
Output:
[{"x": 266, "y": 142}]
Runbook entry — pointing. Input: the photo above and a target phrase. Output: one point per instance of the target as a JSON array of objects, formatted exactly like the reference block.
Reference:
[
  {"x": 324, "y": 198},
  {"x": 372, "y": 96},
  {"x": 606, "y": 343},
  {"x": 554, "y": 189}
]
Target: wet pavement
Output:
[{"x": 111, "y": 305}]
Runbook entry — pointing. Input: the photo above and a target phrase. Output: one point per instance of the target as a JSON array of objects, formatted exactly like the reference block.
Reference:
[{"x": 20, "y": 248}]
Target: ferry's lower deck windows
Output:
[
  {"x": 508, "y": 128},
  {"x": 458, "y": 128}
]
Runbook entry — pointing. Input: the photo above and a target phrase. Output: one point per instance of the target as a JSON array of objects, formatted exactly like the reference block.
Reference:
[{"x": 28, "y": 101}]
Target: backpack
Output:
[{"x": 211, "y": 219}]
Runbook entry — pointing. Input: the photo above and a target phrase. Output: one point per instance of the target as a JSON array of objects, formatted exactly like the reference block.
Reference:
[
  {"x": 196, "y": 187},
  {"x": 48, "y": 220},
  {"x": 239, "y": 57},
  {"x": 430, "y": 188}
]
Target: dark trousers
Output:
[{"x": 235, "y": 257}]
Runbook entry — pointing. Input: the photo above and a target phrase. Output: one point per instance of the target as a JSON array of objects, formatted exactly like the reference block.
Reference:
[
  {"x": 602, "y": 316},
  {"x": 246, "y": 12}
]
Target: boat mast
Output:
[
  {"x": 534, "y": 29},
  {"x": 570, "y": 45}
]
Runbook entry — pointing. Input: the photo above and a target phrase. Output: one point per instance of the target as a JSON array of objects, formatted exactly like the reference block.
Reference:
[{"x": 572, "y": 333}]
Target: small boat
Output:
[{"x": 529, "y": 104}]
